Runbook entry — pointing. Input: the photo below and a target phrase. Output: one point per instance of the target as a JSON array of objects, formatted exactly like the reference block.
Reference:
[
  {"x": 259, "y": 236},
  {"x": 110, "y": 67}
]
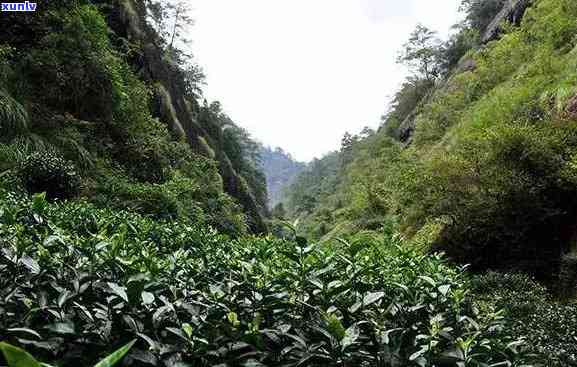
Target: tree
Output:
[
  {"x": 409, "y": 96},
  {"x": 194, "y": 79},
  {"x": 465, "y": 39},
  {"x": 366, "y": 132},
  {"x": 239, "y": 147},
  {"x": 347, "y": 143},
  {"x": 179, "y": 22},
  {"x": 404, "y": 103},
  {"x": 171, "y": 19},
  {"x": 422, "y": 53}
]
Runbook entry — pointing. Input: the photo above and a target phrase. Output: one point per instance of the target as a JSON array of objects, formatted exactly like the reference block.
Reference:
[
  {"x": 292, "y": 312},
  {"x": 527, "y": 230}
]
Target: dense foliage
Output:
[
  {"x": 46, "y": 172},
  {"x": 488, "y": 174},
  {"x": 77, "y": 282},
  {"x": 116, "y": 233},
  {"x": 549, "y": 328},
  {"x": 78, "y": 118}
]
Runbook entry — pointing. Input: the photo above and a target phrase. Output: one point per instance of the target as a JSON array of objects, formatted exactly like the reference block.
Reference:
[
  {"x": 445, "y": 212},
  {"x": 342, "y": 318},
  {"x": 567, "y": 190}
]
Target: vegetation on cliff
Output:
[
  {"x": 488, "y": 174},
  {"x": 123, "y": 113}
]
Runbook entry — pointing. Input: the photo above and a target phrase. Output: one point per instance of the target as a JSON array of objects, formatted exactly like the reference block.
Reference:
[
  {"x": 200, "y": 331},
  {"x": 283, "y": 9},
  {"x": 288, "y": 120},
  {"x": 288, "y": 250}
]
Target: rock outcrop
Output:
[
  {"x": 170, "y": 105},
  {"x": 406, "y": 129},
  {"x": 512, "y": 12}
]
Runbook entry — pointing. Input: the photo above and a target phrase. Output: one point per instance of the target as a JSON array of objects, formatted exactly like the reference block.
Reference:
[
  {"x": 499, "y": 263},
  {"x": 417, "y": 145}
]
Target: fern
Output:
[
  {"x": 13, "y": 116},
  {"x": 81, "y": 154},
  {"x": 31, "y": 142},
  {"x": 19, "y": 148}
]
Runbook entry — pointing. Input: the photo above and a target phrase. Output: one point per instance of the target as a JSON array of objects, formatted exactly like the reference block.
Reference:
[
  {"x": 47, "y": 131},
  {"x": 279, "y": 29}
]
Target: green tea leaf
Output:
[
  {"x": 16, "y": 357},
  {"x": 187, "y": 328},
  {"x": 26, "y": 331},
  {"x": 351, "y": 336},
  {"x": 335, "y": 327},
  {"x": 31, "y": 264},
  {"x": 233, "y": 319},
  {"x": 371, "y": 298},
  {"x": 62, "y": 328},
  {"x": 115, "y": 357},
  {"x": 118, "y": 290},
  {"x": 147, "y": 298},
  {"x": 428, "y": 280}
]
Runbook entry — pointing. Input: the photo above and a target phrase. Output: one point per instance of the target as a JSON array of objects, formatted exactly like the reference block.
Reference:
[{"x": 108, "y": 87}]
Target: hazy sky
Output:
[{"x": 300, "y": 73}]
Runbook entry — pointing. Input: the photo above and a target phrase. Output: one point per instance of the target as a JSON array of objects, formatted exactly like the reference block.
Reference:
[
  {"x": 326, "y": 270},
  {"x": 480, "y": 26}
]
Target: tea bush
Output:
[
  {"x": 181, "y": 198},
  {"x": 77, "y": 282},
  {"x": 46, "y": 172}
]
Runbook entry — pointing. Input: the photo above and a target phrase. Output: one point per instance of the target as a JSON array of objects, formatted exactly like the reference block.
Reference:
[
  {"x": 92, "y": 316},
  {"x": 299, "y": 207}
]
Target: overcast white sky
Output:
[{"x": 300, "y": 73}]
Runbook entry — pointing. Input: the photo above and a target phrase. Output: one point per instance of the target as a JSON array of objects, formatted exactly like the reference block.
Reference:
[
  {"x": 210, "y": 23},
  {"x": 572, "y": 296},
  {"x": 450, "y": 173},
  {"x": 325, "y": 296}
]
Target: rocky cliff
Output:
[
  {"x": 170, "y": 105},
  {"x": 511, "y": 13}
]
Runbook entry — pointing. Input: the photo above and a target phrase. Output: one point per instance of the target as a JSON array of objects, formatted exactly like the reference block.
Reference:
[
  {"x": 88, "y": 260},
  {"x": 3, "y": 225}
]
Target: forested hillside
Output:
[
  {"x": 133, "y": 212},
  {"x": 476, "y": 155}
]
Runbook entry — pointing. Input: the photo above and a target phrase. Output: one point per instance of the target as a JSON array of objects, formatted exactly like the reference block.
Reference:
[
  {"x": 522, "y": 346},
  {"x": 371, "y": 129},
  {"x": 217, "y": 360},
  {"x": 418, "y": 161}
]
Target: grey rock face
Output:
[{"x": 512, "y": 12}]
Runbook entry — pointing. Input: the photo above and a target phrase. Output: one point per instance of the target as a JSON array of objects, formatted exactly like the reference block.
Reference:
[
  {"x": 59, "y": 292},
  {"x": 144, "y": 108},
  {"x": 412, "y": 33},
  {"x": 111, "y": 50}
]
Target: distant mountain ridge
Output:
[{"x": 281, "y": 169}]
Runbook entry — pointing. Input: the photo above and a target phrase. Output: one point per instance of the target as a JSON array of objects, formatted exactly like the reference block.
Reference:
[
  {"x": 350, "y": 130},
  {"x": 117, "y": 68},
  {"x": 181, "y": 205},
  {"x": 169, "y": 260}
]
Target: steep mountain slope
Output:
[
  {"x": 107, "y": 97},
  {"x": 488, "y": 174},
  {"x": 180, "y": 113}
]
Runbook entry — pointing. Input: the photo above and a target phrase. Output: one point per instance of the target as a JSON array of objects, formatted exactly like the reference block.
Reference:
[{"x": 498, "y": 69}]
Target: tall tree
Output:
[
  {"x": 347, "y": 143},
  {"x": 171, "y": 20},
  {"x": 422, "y": 53}
]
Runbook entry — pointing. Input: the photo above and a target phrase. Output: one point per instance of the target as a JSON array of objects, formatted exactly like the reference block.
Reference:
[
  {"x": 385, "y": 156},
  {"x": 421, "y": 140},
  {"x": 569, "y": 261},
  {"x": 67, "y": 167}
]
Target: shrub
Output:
[
  {"x": 46, "y": 172},
  {"x": 77, "y": 282},
  {"x": 72, "y": 67},
  {"x": 494, "y": 152},
  {"x": 182, "y": 198},
  {"x": 503, "y": 196},
  {"x": 549, "y": 327},
  {"x": 145, "y": 162}
]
